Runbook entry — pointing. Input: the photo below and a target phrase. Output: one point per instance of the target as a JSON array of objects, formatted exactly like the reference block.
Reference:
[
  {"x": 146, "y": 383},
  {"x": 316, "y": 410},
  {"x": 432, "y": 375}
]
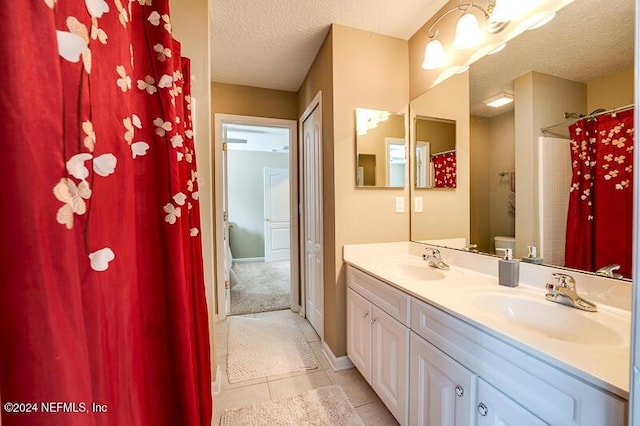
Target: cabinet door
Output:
[
  {"x": 497, "y": 409},
  {"x": 442, "y": 390},
  {"x": 359, "y": 333},
  {"x": 390, "y": 363}
]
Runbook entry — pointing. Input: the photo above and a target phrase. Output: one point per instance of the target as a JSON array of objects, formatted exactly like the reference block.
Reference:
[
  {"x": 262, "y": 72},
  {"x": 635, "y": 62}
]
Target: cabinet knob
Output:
[
  {"x": 366, "y": 314},
  {"x": 459, "y": 391},
  {"x": 482, "y": 409}
]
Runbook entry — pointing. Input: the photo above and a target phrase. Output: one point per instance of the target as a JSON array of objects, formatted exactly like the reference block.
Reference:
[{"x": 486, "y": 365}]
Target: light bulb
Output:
[
  {"x": 504, "y": 11},
  {"x": 433, "y": 55},
  {"x": 467, "y": 32}
]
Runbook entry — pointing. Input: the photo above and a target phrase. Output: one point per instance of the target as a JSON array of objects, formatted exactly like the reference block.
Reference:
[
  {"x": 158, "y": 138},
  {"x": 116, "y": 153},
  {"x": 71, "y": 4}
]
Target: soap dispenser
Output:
[
  {"x": 508, "y": 269},
  {"x": 532, "y": 256}
]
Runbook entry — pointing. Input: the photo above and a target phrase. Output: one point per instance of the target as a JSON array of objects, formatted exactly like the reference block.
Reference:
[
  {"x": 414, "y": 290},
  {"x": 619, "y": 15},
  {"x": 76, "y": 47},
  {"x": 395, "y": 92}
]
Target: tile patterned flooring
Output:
[{"x": 235, "y": 395}]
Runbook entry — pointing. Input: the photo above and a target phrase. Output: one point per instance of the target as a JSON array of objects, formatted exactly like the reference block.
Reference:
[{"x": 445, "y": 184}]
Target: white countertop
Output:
[{"x": 601, "y": 362}]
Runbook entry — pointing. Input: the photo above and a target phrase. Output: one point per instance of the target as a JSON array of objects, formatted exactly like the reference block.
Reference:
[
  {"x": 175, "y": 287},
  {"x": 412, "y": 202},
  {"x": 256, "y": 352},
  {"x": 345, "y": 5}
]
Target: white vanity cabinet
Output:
[
  {"x": 432, "y": 366},
  {"x": 442, "y": 391},
  {"x": 512, "y": 386},
  {"x": 496, "y": 409},
  {"x": 378, "y": 339}
]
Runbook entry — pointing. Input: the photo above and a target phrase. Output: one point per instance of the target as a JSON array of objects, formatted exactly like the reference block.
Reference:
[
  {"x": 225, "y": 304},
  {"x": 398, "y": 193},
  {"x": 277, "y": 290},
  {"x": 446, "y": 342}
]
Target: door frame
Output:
[
  {"x": 292, "y": 125},
  {"x": 316, "y": 102}
]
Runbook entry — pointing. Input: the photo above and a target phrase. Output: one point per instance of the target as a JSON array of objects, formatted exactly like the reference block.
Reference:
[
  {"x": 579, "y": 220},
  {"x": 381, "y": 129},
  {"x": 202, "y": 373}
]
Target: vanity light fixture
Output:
[
  {"x": 499, "y": 100},
  {"x": 468, "y": 32}
]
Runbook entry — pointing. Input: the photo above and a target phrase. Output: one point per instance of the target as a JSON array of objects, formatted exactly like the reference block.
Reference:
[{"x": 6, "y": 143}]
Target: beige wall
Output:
[
  {"x": 320, "y": 78},
  {"x": 541, "y": 100},
  {"x": 480, "y": 161},
  {"x": 502, "y": 153},
  {"x": 492, "y": 152},
  {"x": 190, "y": 23},
  {"x": 354, "y": 69},
  {"x": 610, "y": 92},
  {"x": 253, "y": 101},
  {"x": 370, "y": 71},
  {"x": 441, "y": 135},
  {"x": 446, "y": 212}
]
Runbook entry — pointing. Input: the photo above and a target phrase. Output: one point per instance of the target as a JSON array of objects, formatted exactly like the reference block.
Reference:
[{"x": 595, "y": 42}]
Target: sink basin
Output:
[
  {"x": 417, "y": 272},
  {"x": 552, "y": 320}
]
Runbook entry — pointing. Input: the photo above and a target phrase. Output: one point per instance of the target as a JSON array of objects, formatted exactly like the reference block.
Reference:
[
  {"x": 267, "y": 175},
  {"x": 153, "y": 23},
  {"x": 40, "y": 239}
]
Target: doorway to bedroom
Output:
[{"x": 258, "y": 188}]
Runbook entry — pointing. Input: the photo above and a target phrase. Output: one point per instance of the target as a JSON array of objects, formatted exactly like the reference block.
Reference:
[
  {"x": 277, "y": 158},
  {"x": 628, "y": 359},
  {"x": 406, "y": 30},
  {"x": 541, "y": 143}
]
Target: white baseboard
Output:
[
  {"x": 337, "y": 363},
  {"x": 216, "y": 386},
  {"x": 248, "y": 259}
]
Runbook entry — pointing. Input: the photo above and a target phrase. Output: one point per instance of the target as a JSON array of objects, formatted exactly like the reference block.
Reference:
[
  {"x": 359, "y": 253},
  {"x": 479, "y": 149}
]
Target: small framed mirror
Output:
[
  {"x": 435, "y": 153},
  {"x": 381, "y": 149}
]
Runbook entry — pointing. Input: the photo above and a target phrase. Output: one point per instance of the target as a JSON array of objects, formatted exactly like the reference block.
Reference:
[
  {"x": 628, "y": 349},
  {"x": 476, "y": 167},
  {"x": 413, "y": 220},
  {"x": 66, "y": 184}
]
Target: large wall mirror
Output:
[
  {"x": 517, "y": 159},
  {"x": 381, "y": 149}
]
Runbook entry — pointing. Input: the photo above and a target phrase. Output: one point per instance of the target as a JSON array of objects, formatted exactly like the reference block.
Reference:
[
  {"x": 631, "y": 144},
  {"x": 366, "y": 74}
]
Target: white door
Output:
[
  {"x": 496, "y": 409},
  {"x": 390, "y": 363},
  {"x": 277, "y": 222},
  {"x": 359, "y": 333},
  {"x": 312, "y": 211},
  {"x": 442, "y": 391}
]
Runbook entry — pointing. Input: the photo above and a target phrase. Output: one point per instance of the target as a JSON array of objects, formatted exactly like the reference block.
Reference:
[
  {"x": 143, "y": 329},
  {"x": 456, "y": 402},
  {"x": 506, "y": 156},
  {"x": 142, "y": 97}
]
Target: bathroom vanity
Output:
[{"x": 452, "y": 347}]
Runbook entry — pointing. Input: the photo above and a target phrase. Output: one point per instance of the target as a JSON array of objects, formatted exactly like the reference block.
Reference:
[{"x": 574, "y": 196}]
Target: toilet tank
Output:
[{"x": 501, "y": 241}]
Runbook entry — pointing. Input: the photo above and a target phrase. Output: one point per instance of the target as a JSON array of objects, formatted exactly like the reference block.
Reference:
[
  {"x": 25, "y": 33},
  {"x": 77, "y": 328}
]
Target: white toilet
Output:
[{"x": 502, "y": 242}]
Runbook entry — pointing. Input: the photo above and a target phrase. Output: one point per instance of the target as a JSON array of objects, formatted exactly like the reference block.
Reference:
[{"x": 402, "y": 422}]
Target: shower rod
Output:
[{"x": 575, "y": 117}]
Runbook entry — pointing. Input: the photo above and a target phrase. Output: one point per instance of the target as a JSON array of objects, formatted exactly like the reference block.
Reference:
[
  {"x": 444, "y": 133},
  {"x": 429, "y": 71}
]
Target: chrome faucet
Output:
[
  {"x": 434, "y": 259},
  {"x": 564, "y": 292},
  {"x": 473, "y": 248},
  {"x": 607, "y": 271}
]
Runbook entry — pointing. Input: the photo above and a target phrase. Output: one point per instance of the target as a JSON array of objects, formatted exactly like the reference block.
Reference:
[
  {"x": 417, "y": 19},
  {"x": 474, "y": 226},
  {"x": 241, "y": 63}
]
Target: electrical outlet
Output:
[
  {"x": 417, "y": 204},
  {"x": 399, "y": 204}
]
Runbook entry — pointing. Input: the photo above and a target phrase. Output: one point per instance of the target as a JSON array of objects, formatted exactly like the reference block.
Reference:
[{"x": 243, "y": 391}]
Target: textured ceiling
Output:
[
  {"x": 588, "y": 39},
  {"x": 272, "y": 43}
]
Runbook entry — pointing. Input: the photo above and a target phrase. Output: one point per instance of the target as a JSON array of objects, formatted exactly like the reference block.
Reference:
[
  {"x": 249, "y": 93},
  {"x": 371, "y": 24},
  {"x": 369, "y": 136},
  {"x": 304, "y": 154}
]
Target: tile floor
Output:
[{"x": 235, "y": 395}]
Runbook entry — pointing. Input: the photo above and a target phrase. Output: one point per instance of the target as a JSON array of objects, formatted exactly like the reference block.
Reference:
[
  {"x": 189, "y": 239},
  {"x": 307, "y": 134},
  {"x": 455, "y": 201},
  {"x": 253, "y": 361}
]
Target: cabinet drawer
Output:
[
  {"x": 556, "y": 397},
  {"x": 383, "y": 295}
]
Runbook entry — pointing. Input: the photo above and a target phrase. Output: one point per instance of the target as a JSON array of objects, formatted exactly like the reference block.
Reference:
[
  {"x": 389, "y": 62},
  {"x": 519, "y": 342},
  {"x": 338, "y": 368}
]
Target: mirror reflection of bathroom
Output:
[
  {"x": 436, "y": 162},
  {"x": 381, "y": 149}
]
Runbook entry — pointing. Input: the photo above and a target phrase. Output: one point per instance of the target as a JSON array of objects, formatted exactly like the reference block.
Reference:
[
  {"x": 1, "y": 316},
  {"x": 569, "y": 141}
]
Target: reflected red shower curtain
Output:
[
  {"x": 444, "y": 168},
  {"x": 600, "y": 219},
  {"x": 103, "y": 318}
]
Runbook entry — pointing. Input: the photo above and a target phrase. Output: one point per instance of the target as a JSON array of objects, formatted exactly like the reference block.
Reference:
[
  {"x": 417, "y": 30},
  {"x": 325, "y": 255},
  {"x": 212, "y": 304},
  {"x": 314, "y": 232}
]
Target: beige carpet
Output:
[
  {"x": 322, "y": 406},
  {"x": 260, "y": 287},
  {"x": 261, "y": 347}
]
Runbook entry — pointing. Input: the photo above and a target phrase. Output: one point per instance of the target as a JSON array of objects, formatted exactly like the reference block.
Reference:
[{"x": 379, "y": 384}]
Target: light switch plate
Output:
[
  {"x": 418, "y": 204},
  {"x": 399, "y": 204}
]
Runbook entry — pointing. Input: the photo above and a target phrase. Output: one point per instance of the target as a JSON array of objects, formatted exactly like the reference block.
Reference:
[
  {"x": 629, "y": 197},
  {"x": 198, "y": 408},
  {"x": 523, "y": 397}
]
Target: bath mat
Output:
[
  {"x": 261, "y": 347},
  {"x": 327, "y": 405}
]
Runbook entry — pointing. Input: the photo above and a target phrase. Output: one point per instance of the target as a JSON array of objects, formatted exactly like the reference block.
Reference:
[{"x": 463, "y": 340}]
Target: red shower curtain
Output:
[
  {"x": 103, "y": 319},
  {"x": 600, "y": 219},
  {"x": 444, "y": 166}
]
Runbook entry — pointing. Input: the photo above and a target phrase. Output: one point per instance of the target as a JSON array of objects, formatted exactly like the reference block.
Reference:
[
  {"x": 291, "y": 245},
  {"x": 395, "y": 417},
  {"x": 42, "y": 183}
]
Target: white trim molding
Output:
[
  {"x": 216, "y": 386},
  {"x": 337, "y": 363}
]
